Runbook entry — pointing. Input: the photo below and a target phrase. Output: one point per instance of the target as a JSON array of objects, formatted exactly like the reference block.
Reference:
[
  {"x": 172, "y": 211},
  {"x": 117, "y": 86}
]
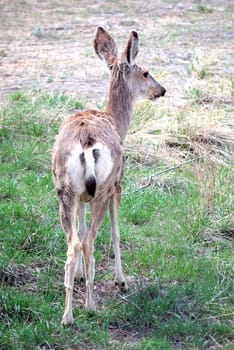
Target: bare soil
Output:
[{"x": 48, "y": 44}]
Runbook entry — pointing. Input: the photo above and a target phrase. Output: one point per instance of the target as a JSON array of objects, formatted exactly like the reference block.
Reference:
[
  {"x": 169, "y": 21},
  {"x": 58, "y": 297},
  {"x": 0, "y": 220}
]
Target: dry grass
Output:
[
  {"x": 182, "y": 133},
  {"x": 49, "y": 46}
]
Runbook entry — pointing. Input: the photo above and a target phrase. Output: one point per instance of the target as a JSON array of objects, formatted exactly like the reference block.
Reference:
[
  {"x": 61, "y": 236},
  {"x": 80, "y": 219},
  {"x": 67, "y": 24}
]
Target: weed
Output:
[
  {"x": 38, "y": 32},
  {"x": 204, "y": 9},
  {"x": 50, "y": 79},
  {"x": 201, "y": 73},
  {"x": 232, "y": 86}
]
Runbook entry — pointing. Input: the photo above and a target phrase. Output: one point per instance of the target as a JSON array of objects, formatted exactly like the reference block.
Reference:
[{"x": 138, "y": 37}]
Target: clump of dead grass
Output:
[
  {"x": 205, "y": 175},
  {"x": 175, "y": 134}
]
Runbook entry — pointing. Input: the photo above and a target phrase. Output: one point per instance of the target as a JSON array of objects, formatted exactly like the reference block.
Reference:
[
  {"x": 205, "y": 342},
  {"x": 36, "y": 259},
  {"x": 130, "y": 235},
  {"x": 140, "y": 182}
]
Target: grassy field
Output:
[{"x": 176, "y": 219}]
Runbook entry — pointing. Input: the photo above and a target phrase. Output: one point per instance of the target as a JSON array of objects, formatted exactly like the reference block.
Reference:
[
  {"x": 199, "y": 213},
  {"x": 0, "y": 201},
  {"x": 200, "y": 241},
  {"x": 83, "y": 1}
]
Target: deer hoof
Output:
[
  {"x": 80, "y": 279},
  {"x": 67, "y": 319},
  {"x": 121, "y": 285},
  {"x": 91, "y": 307}
]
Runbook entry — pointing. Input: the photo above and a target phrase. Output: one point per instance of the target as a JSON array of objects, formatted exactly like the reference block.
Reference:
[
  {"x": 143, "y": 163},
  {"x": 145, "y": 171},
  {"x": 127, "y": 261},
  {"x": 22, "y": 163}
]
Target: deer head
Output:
[{"x": 138, "y": 80}]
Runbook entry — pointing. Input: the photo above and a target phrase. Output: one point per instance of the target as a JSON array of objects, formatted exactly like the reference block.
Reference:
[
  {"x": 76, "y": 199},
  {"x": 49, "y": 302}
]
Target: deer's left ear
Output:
[{"x": 131, "y": 49}]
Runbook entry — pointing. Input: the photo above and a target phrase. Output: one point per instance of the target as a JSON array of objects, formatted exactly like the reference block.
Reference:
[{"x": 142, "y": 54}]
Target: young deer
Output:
[{"x": 88, "y": 164}]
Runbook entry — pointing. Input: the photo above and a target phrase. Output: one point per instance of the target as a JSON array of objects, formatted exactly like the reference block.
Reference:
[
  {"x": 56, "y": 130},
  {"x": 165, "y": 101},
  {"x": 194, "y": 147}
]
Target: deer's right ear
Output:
[{"x": 105, "y": 47}]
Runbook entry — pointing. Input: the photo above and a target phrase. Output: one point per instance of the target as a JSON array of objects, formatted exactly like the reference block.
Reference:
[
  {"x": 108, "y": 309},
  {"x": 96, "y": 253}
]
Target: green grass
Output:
[
  {"x": 204, "y": 9},
  {"x": 177, "y": 247}
]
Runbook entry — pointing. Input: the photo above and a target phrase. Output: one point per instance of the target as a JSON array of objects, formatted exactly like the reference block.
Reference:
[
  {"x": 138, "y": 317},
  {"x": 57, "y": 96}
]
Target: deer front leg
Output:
[
  {"x": 79, "y": 274},
  {"x": 67, "y": 208},
  {"x": 115, "y": 233}
]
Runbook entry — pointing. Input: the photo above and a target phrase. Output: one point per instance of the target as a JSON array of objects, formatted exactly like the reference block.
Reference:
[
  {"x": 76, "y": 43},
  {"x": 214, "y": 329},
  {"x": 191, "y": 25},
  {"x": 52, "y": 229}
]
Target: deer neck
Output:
[{"x": 120, "y": 105}]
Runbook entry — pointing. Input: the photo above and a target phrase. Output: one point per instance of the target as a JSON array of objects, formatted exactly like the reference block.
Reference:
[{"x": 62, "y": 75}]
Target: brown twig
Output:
[{"x": 150, "y": 181}]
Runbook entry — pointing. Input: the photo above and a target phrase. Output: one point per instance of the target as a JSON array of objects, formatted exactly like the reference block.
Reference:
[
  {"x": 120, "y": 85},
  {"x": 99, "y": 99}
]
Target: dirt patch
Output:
[
  {"x": 228, "y": 234},
  {"x": 125, "y": 336},
  {"x": 187, "y": 45},
  {"x": 19, "y": 275},
  {"x": 49, "y": 44}
]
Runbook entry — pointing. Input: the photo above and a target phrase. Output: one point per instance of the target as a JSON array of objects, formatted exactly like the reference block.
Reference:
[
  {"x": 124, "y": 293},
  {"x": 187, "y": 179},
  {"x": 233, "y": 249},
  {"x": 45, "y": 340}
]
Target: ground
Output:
[
  {"x": 49, "y": 44},
  {"x": 187, "y": 45}
]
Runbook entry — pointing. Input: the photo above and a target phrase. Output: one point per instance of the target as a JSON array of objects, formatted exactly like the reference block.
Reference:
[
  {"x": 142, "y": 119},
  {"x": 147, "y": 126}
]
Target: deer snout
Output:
[
  {"x": 163, "y": 91},
  {"x": 159, "y": 92}
]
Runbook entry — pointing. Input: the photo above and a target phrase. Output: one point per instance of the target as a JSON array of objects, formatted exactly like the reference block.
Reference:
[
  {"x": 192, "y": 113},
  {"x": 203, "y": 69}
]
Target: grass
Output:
[
  {"x": 177, "y": 246},
  {"x": 204, "y": 9}
]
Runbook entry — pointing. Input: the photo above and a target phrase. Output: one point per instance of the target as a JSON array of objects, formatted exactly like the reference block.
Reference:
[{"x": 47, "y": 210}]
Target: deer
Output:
[{"x": 88, "y": 165}]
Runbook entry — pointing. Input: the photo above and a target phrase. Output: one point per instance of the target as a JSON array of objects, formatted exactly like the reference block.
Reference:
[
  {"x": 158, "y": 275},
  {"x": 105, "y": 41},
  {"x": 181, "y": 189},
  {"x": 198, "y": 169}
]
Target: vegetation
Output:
[{"x": 177, "y": 240}]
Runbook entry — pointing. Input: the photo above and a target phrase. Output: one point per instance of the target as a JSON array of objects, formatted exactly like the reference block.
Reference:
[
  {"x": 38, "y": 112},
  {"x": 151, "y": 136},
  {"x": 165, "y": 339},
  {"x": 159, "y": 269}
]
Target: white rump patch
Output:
[
  {"x": 104, "y": 163},
  {"x": 76, "y": 172}
]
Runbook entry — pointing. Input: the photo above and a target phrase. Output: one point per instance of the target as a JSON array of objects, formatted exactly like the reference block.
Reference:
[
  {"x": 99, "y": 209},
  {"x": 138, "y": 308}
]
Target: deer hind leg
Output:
[
  {"x": 79, "y": 274},
  {"x": 115, "y": 233},
  {"x": 98, "y": 210},
  {"x": 68, "y": 210}
]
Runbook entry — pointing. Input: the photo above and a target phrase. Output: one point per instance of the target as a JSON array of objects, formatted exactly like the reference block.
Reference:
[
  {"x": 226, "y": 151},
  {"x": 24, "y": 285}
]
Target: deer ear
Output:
[
  {"x": 105, "y": 47},
  {"x": 131, "y": 49}
]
